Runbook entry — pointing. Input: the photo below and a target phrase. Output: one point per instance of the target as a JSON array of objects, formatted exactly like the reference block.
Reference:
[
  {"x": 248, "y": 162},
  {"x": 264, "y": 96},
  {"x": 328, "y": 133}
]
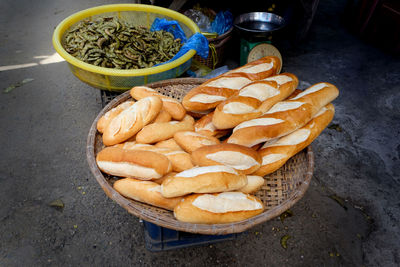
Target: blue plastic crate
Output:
[{"x": 158, "y": 238}]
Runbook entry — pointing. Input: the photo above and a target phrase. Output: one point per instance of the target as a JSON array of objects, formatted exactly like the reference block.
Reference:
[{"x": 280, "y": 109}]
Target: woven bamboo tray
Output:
[{"x": 281, "y": 191}]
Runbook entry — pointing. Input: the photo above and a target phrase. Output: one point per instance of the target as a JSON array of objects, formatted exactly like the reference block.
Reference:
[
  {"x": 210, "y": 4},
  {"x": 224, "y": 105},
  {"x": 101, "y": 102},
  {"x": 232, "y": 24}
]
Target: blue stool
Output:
[{"x": 158, "y": 238}]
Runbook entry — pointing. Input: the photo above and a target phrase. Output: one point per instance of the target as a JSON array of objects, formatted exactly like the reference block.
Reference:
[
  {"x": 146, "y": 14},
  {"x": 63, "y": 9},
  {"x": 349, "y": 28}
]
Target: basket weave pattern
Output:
[{"x": 281, "y": 190}]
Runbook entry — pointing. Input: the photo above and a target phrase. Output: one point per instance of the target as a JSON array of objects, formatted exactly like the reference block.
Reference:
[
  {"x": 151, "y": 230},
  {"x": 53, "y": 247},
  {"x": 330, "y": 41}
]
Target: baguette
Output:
[
  {"x": 169, "y": 143},
  {"x": 156, "y": 132},
  {"x": 294, "y": 94},
  {"x": 253, "y": 100},
  {"x": 133, "y": 145},
  {"x": 131, "y": 120},
  {"x": 208, "y": 179},
  {"x": 161, "y": 180},
  {"x": 258, "y": 69},
  {"x": 205, "y": 126},
  {"x": 171, "y": 105},
  {"x": 254, "y": 184},
  {"x": 145, "y": 191},
  {"x": 243, "y": 159},
  {"x": 190, "y": 140},
  {"x": 104, "y": 120},
  {"x": 274, "y": 155},
  {"x": 285, "y": 116},
  {"x": 212, "y": 92},
  {"x": 180, "y": 160},
  {"x": 140, "y": 164},
  {"x": 199, "y": 114},
  {"x": 227, "y": 207},
  {"x": 163, "y": 116}
]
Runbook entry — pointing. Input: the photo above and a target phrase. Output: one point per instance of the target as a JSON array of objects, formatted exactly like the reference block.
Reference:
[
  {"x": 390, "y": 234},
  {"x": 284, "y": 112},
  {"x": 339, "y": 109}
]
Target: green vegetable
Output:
[{"x": 284, "y": 240}]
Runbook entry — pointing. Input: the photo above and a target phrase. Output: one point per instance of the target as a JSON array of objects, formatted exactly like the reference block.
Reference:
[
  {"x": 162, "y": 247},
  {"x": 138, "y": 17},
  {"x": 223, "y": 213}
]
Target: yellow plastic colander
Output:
[{"x": 122, "y": 80}]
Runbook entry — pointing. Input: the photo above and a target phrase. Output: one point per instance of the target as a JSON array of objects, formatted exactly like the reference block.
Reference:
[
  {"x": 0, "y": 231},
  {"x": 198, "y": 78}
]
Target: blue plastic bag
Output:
[
  {"x": 197, "y": 41},
  {"x": 171, "y": 26},
  {"x": 222, "y": 23}
]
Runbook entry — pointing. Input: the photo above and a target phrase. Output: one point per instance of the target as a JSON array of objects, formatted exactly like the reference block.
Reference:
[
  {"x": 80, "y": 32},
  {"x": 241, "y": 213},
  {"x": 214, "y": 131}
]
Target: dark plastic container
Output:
[{"x": 158, "y": 238}]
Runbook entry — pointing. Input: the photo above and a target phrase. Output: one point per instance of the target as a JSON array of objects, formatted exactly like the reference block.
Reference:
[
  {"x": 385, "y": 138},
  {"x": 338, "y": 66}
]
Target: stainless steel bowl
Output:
[{"x": 259, "y": 24}]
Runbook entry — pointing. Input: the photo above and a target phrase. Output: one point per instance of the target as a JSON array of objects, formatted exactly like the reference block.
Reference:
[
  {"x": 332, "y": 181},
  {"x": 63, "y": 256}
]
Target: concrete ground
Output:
[{"x": 348, "y": 217}]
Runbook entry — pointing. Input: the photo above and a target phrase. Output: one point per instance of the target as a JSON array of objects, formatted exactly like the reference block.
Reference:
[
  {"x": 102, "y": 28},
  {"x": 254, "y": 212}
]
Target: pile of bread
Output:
[{"x": 205, "y": 157}]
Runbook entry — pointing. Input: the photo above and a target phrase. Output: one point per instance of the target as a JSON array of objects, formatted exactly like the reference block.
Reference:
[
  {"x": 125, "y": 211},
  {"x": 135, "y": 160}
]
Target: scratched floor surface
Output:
[{"x": 348, "y": 217}]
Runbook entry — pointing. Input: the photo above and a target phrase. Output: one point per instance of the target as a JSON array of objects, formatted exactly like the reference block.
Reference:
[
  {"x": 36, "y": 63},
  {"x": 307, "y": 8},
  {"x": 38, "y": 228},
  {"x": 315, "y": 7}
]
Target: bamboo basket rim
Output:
[{"x": 152, "y": 214}]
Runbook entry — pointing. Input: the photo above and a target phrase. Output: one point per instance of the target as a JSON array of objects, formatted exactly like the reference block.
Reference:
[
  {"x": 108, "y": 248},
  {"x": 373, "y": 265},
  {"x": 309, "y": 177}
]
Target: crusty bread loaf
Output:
[
  {"x": 227, "y": 207},
  {"x": 294, "y": 94},
  {"x": 286, "y": 84},
  {"x": 205, "y": 126},
  {"x": 179, "y": 159},
  {"x": 212, "y": 92},
  {"x": 243, "y": 159},
  {"x": 133, "y": 145},
  {"x": 169, "y": 143},
  {"x": 156, "y": 132},
  {"x": 145, "y": 191},
  {"x": 254, "y": 184},
  {"x": 171, "y": 105},
  {"x": 104, "y": 120},
  {"x": 161, "y": 180},
  {"x": 190, "y": 140},
  {"x": 163, "y": 116},
  {"x": 275, "y": 154},
  {"x": 140, "y": 164},
  {"x": 258, "y": 69},
  {"x": 131, "y": 120},
  {"x": 285, "y": 116},
  {"x": 208, "y": 179},
  {"x": 318, "y": 95},
  {"x": 199, "y": 114},
  {"x": 188, "y": 118},
  {"x": 253, "y": 100}
]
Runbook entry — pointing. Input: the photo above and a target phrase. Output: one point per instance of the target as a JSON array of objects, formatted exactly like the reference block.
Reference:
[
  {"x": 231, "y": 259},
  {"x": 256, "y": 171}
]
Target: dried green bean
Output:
[{"x": 110, "y": 43}]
